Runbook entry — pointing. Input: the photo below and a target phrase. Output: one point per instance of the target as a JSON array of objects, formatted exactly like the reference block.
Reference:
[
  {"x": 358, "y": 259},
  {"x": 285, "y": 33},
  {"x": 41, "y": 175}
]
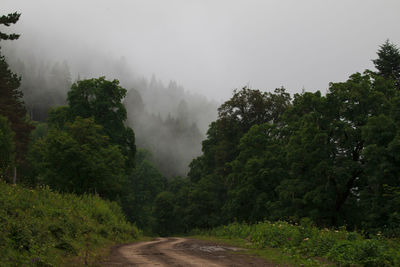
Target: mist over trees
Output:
[{"x": 168, "y": 120}]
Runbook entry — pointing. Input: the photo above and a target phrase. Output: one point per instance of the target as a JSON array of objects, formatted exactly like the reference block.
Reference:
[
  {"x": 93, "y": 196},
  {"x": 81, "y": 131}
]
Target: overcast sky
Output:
[{"x": 214, "y": 46}]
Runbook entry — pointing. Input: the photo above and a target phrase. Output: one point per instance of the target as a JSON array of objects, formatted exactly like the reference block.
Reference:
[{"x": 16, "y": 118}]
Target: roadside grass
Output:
[
  {"x": 95, "y": 257},
  {"x": 39, "y": 227},
  {"x": 307, "y": 245},
  {"x": 273, "y": 255},
  {"x": 99, "y": 256}
]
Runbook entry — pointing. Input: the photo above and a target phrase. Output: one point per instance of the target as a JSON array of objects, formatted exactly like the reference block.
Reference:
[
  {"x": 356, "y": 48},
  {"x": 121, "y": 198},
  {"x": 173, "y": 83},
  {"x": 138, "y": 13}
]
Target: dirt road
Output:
[{"x": 180, "y": 252}]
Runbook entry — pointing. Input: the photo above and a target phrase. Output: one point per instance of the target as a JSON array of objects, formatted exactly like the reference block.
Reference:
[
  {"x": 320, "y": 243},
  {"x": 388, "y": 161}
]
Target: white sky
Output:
[{"x": 214, "y": 46}]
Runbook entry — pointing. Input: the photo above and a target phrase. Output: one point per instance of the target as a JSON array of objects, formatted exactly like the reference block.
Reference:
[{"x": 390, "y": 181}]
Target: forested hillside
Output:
[{"x": 156, "y": 112}]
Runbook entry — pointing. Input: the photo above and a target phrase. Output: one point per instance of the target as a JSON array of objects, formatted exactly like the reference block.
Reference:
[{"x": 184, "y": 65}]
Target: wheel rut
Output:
[{"x": 176, "y": 252}]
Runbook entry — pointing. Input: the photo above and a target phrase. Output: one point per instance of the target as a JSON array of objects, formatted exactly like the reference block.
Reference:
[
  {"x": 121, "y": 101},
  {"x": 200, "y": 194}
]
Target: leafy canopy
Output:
[
  {"x": 102, "y": 100},
  {"x": 79, "y": 159}
]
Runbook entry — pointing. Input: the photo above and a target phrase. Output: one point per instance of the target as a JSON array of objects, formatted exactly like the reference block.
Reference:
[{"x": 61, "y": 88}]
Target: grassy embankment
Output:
[
  {"x": 43, "y": 228},
  {"x": 284, "y": 243}
]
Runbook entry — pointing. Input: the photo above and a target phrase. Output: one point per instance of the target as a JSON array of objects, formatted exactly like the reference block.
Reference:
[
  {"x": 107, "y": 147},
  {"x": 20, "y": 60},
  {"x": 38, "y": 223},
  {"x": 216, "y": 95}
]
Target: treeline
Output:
[{"x": 332, "y": 158}]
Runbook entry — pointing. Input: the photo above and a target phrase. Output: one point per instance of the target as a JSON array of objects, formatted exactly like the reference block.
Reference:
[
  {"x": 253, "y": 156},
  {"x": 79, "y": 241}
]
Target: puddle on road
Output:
[{"x": 214, "y": 248}]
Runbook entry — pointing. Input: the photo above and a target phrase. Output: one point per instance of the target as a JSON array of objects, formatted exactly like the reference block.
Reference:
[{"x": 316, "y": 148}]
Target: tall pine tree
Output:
[
  {"x": 11, "y": 103},
  {"x": 388, "y": 62}
]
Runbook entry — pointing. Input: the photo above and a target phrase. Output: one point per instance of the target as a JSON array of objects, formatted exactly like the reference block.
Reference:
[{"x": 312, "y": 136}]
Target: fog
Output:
[
  {"x": 180, "y": 58},
  {"x": 212, "y": 47},
  {"x": 168, "y": 120}
]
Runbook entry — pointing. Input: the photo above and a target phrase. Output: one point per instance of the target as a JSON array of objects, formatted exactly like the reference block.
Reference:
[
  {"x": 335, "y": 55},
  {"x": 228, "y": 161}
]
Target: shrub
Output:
[{"x": 340, "y": 246}]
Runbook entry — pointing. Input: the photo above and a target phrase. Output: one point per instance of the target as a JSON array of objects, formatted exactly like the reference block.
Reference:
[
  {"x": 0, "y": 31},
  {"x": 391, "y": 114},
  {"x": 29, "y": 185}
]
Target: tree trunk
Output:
[{"x": 14, "y": 180}]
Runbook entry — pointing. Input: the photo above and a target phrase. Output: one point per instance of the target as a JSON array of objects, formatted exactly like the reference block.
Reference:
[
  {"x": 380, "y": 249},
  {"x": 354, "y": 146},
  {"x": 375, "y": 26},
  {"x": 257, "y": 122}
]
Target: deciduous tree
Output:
[{"x": 79, "y": 159}]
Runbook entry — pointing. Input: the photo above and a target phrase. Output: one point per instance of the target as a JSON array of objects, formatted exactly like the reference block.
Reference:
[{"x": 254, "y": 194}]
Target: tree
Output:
[
  {"x": 379, "y": 196},
  {"x": 143, "y": 185},
  {"x": 164, "y": 214},
  {"x": 7, "y": 148},
  {"x": 388, "y": 62},
  {"x": 247, "y": 107},
  {"x": 11, "y": 104},
  {"x": 211, "y": 171},
  {"x": 102, "y": 100},
  {"x": 325, "y": 151},
  {"x": 79, "y": 159},
  {"x": 256, "y": 172}
]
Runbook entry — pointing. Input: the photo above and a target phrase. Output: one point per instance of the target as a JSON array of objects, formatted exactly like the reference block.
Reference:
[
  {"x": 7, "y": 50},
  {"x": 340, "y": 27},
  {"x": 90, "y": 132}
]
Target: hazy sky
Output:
[{"x": 214, "y": 46}]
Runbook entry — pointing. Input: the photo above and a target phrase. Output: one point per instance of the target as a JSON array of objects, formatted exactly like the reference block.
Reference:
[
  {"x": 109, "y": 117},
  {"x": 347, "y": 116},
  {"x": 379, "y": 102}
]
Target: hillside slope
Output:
[{"x": 45, "y": 228}]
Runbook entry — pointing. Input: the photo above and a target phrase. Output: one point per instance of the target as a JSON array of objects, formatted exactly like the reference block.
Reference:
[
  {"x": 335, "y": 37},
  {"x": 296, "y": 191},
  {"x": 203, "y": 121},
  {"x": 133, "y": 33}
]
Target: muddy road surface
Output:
[{"x": 180, "y": 252}]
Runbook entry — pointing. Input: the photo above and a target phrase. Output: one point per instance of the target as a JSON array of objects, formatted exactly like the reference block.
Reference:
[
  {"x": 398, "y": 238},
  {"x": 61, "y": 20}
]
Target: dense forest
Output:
[{"x": 331, "y": 158}]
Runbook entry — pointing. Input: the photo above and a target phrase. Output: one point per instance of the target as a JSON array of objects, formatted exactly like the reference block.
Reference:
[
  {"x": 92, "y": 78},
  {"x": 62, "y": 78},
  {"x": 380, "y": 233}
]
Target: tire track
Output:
[{"x": 179, "y": 252}]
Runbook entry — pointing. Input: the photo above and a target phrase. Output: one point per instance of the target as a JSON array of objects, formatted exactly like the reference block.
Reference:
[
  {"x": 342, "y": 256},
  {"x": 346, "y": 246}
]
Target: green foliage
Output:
[
  {"x": 58, "y": 117},
  {"x": 42, "y": 228},
  {"x": 256, "y": 172},
  {"x": 340, "y": 246},
  {"x": 7, "y": 148},
  {"x": 143, "y": 185},
  {"x": 79, "y": 159},
  {"x": 102, "y": 100},
  {"x": 41, "y": 131},
  {"x": 211, "y": 173},
  {"x": 164, "y": 214},
  {"x": 332, "y": 158}
]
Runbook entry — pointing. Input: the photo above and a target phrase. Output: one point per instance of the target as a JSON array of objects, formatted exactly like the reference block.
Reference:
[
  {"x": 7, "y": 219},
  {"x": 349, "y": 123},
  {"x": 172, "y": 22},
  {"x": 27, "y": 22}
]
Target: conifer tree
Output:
[
  {"x": 11, "y": 104},
  {"x": 388, "y": 62}
]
